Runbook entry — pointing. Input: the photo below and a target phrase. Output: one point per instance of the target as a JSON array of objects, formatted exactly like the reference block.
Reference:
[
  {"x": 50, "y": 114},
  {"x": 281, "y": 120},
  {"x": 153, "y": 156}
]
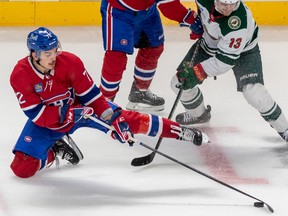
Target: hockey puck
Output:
[{"x": 258, "y": 204}]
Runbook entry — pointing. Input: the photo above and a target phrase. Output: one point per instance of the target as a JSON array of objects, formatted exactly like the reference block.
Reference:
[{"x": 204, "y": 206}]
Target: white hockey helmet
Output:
[{"x": 227, "y": 2}]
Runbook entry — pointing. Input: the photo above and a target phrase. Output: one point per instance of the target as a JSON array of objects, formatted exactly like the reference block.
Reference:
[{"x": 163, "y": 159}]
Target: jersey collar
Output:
[{"x": 38, "y": 72}]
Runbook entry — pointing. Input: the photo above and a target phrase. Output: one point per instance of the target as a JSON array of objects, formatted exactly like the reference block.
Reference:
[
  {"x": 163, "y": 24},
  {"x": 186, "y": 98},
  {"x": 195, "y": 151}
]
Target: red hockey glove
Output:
[
  {"x": 189, "y": 77},
  {"x": 122, "y": 130},
  {"x": 193, "y": 21},
  {"x": 194, "y": 36}
]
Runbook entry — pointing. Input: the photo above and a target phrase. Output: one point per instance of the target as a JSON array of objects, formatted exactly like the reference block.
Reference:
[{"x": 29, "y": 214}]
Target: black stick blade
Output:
[
  {"x": 141, "y": 161},
  {"x": 270, "y": 208}
]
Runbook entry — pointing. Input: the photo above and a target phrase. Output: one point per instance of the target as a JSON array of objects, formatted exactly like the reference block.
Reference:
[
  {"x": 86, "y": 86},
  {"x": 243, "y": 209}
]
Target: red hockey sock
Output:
[
  {"x": 145, "y": 65},
  {"x": 168, "y": 128},
  {"x": 114, "y": 64},
  {"x": 50, "y": 158}
]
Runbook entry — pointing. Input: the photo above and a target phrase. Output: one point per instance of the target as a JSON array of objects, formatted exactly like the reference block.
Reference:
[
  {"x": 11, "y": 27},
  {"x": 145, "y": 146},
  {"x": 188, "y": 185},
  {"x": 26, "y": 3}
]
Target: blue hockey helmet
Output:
[{"x": 41, "y": 39}]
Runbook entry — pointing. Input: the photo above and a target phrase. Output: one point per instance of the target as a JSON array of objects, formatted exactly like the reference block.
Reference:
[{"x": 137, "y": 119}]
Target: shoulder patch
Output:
[
  {"x": 38, "y": 87},
  {"x": 234, "y": 22}
]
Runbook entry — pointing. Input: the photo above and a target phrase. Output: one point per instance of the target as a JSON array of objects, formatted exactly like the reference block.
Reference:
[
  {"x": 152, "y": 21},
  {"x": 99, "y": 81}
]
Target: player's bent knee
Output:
[
  {"x": 258, "y": 96},
  {"x": 149, "y": 56},
  {"x": 157, "y": 51},
  {"x": 24, "y": 166},
  {"x": 173, "y": 83},
  {"x": 115, "y": 61}
]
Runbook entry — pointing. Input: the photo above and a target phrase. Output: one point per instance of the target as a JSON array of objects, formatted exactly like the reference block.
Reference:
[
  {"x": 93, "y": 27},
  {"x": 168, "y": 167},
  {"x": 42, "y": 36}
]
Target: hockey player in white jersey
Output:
[{"x": 229, "y": 41}]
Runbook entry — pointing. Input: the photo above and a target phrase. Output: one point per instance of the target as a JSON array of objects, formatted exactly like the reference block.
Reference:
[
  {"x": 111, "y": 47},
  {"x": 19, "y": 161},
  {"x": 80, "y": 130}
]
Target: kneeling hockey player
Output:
[{"x": 55, "y": 92}]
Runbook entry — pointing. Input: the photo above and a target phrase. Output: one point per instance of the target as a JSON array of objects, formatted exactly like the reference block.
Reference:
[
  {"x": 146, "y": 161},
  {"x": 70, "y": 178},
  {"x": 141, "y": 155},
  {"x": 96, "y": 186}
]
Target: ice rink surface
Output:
[{"x": 244, "y": 151}]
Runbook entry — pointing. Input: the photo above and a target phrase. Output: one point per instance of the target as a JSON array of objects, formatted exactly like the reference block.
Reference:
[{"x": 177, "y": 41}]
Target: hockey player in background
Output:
[
  {"x": 229, "y": 41},
  {"x": 57, "y": 95},
  {"x": 129, "y": 24}
]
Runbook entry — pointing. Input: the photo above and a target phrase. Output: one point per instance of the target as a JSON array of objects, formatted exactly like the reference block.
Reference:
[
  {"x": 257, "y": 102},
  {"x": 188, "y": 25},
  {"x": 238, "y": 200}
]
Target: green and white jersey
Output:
[{"x": 225, "y": 37}]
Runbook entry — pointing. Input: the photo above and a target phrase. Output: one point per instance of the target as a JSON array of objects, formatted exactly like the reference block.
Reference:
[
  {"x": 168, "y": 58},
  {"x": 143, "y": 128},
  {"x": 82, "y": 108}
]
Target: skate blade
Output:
[
  {"x": 74, "y": 147},
  {"x": 205, "y": 138},
  {"x": 143, "y": 107}
]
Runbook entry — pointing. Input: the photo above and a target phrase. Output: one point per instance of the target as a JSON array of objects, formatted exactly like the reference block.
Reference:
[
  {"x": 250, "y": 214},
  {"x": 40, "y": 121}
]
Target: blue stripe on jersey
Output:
[
  {"x": 32, "y": 113},
  {"x": 154, "y": 126},
  {"x": 93, "y": 93},
  {"x": 113, "y": 105}
]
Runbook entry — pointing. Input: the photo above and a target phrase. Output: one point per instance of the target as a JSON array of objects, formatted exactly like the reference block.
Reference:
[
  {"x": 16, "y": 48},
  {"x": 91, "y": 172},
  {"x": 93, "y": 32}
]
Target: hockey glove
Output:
[
  {"x": 193, "y": 21},
  {"x": 122, "y": 130},
  {"x": 74, "y": 113},
  {"x": 189, "y": 77}
]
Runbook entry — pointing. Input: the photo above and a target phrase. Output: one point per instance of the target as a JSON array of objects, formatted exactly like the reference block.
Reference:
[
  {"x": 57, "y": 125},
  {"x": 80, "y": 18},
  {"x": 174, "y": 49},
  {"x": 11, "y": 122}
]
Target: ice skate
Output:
[
  {"x": 187, "y": 118},
  {"x": 144, "y": 100},
  {"x": 66, "y": 149},
  {"x": 193, "y": 135}
]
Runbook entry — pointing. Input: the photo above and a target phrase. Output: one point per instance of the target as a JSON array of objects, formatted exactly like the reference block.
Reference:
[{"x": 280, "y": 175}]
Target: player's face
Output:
[
  {"x": 48, "y": 58},
  {"x": 224, "y": 8}
]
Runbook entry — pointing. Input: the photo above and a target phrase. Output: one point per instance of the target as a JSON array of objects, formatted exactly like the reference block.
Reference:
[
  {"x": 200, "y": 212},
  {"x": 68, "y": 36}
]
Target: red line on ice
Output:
[{"x": 219, "y": 164}]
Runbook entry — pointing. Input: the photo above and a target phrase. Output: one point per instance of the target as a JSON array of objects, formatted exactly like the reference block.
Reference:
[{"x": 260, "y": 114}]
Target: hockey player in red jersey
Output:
[
  {"x": 56, "y": 93},
  {"x": 129, "y": 24}
]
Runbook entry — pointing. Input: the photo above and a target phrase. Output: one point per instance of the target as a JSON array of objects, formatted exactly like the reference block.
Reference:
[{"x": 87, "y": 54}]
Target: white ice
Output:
[{"x": 245, "y": 152}]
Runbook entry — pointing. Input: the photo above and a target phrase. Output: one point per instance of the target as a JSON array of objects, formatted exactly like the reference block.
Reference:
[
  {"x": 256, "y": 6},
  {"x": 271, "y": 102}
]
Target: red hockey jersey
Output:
[
  {"x": 42, "y": 96},
  {"x": 172, "y": 9}
]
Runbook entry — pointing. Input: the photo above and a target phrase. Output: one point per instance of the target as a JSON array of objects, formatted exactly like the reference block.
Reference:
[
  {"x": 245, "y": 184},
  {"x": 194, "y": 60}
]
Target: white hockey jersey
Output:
[{"x": 225, "y": 37}]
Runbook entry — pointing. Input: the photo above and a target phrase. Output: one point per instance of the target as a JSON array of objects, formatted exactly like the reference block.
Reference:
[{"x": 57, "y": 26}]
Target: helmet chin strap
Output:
[{"x": 39, "y": 64}]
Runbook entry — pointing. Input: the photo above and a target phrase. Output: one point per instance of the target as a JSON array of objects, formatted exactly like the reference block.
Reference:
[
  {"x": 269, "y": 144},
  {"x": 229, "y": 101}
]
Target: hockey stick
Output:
[
  {"x": 259, "y": 203},
  {"x": 140, "y": 161}
]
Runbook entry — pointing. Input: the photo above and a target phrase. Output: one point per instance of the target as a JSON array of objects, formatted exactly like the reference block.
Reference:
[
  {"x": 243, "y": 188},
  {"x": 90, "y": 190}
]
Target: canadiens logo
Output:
[
  {"x": 234, "y": 22},
  {"x": 38, "y": 87},
  {"x": 28, "y": 139},
  {"x": 124, "y": 42},
  {"x": 60, "y": 100}
]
